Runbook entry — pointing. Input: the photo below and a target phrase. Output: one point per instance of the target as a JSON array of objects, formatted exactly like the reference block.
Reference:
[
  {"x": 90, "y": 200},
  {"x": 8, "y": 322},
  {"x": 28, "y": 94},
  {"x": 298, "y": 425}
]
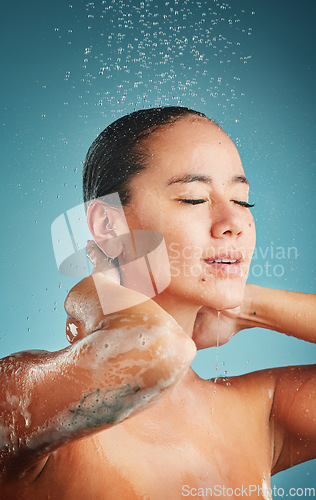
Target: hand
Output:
[
  {"x": 82, "y": 304},
  {"x": 100, "y": 262},
  {"x": 214, "y": 327},
  {"x": 94, "y": 298}
]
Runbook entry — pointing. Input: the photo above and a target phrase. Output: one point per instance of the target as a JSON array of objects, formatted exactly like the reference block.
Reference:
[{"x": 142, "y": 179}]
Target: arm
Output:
[
  {"x": 49, "y": 399},
  {"x": 293, "y": 411},
  {"x": 292, "y": 313},
  {"x": 293, "y": 416}
]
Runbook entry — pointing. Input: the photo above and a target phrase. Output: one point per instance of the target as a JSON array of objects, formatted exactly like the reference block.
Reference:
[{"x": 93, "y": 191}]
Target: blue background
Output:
[{"x": 71, "y": 68}]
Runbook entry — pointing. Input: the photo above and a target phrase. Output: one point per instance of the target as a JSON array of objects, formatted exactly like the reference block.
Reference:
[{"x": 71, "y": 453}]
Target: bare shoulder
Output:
[
  {"x": 284, "y": 400},
  {"x": 258, "y": 382},
  {"x": 275, "y": 382},
  {"x": 253, "y": 390}
]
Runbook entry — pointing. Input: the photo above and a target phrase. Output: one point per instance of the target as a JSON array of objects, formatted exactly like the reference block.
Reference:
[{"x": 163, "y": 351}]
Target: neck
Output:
[{"x": 183, "y": 312}]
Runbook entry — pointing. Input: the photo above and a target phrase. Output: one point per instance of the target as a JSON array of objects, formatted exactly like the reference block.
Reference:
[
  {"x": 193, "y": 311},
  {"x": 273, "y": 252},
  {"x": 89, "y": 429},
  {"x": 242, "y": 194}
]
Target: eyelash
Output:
[
  {"x": 192, "y": 202},
  {"x": 199, "y": 201},
  {"x": 244, "y": 203}
]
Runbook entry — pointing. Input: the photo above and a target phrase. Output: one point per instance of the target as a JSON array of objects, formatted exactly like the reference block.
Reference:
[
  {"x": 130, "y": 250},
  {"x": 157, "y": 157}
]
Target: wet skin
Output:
[
  {"x": 201, "y": 434},
  {"x": 194, "y": 194},
  {"x": 134, "y": 421}
]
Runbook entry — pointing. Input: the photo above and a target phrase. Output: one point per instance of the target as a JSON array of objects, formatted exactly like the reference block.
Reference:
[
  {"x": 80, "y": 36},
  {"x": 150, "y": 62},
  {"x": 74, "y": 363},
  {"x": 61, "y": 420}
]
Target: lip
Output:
[
  {"x": 227, "y": 255},
  {"x": 231, "y": 268}
]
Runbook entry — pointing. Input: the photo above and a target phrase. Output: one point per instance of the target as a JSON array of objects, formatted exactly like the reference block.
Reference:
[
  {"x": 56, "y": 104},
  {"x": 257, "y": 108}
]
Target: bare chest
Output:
[
  {"x": 194, "y": 444},
  {"x": 159, "y": 454}
]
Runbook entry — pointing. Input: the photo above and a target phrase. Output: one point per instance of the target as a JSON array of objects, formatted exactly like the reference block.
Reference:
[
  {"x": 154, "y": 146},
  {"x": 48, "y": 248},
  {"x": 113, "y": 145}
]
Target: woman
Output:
[{"x": 120, "y": 413}]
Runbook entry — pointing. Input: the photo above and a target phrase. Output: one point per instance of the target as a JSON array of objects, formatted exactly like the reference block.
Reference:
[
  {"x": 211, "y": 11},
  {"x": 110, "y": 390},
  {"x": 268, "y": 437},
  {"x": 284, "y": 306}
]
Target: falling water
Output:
[{"x": 217, "y": 341}]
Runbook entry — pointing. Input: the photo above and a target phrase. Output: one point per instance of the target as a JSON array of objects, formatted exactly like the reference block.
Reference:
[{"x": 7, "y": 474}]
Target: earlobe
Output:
[{"x": 112, "y": 247}]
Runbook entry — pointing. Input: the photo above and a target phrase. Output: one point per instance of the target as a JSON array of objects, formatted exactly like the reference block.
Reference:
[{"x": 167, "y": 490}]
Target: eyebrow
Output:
[{"x": 185, "y": 179}]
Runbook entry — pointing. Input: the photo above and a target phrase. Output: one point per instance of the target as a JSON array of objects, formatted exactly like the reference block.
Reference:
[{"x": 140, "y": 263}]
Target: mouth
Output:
[
  {"x": 222, "y": 261},
  {"x": 229, "y": 264}
]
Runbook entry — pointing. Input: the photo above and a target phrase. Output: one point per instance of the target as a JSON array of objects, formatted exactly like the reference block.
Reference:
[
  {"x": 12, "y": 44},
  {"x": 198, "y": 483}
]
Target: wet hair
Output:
[{"x": 118, "y": 153}]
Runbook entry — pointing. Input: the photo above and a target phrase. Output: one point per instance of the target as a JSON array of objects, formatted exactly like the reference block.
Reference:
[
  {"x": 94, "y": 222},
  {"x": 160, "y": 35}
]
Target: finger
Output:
[
  {"x": 96, "y": 256},
  {"x": 91, "y": 252}
]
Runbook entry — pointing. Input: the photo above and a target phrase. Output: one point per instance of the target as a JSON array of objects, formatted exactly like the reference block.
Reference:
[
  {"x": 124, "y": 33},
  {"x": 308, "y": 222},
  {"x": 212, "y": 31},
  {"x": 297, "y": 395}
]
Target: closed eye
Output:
[
  {"x": 243, "y": 203},
  {"x": 202, "y": 200},
  {"x": 192, "y": 201}
]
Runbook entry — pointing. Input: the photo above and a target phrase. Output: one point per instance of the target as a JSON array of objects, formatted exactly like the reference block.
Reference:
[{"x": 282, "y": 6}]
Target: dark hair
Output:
[{"x": 116, "y": 155}]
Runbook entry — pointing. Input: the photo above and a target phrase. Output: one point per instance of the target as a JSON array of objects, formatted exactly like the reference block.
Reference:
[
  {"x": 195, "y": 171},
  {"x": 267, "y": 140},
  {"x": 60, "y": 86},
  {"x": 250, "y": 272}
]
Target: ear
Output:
[{"x": 106, "y": 223}]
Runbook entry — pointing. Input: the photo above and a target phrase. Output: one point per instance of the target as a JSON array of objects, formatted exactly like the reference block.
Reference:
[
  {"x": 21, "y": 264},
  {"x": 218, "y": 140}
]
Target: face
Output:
[{"x": 195, "y": 193}]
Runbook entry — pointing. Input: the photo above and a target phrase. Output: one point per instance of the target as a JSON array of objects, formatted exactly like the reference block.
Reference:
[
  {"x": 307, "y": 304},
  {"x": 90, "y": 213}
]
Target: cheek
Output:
[
  {"x": 185, "y": 241},
  {"x": 147, "y": 212},
  {"x": 183, "y": 256},
  {"x": 251, "y": 236}
]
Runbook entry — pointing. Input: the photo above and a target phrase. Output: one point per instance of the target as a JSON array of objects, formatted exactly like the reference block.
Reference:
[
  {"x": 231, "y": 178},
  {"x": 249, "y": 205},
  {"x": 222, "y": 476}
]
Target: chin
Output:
[
  {"x": 217, "y": 294},
  {"x": 225, "y": 295},
  {"x": 221, "y": 303}
]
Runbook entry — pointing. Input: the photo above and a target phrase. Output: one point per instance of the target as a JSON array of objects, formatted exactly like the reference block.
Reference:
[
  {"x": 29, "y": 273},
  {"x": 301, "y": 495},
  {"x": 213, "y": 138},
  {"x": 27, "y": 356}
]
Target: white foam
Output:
[{"x": 73, "y": 329}]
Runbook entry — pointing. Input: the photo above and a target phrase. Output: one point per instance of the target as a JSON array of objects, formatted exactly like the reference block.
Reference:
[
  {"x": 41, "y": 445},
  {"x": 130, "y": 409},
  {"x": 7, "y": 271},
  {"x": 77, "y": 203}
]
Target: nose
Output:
[{"x": 226, "y": 221}]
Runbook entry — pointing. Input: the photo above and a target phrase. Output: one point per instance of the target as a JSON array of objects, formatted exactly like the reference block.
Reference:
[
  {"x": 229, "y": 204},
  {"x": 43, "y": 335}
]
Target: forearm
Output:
[
  {"x": 49, "y": 399},
  {"x": 292, "y": 313}
]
